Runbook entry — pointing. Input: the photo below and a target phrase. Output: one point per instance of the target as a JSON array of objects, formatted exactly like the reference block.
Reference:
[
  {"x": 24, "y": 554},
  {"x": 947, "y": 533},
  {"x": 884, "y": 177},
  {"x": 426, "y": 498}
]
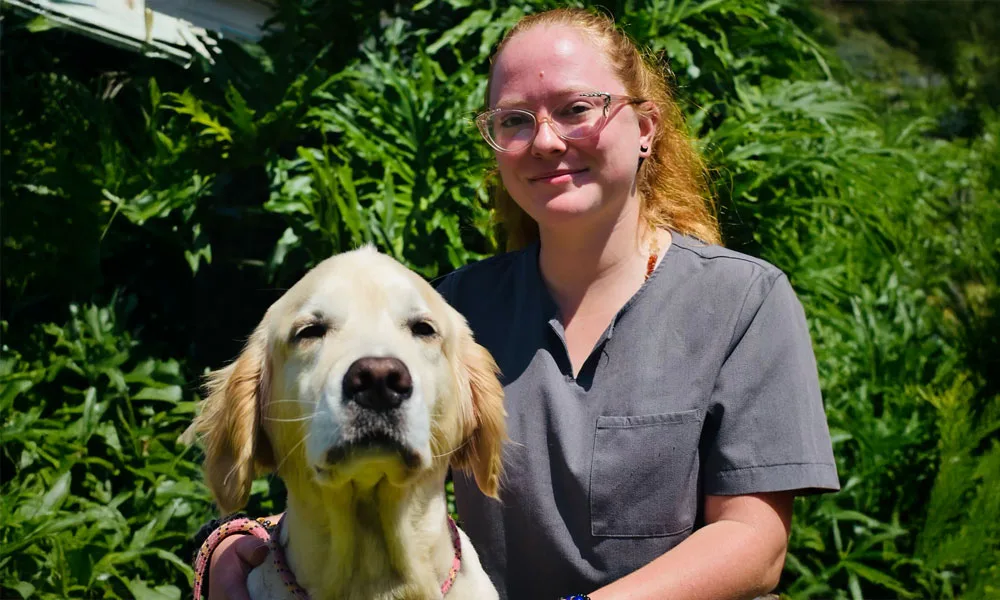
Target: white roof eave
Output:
[{"x": 135, "y": 28}]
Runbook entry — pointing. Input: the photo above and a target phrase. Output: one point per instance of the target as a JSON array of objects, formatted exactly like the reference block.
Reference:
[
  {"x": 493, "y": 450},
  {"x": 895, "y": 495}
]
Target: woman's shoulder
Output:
[
  {"x": 483, "y": 279},
  {"x": 721, "y": 280},
  {"x": 716, "y": 265},
  {"x": 720, "y": 256}
]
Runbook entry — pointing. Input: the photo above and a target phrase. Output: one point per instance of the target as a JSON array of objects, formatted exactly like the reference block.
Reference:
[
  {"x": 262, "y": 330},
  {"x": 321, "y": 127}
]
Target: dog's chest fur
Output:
[{"x": 264, "y": 583}]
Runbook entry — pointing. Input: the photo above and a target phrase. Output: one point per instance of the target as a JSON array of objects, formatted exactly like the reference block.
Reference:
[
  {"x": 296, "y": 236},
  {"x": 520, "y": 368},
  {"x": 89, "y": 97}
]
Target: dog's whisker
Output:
[
  {"x": 295, "y": 420},
  {"x": 456, "y": 449},
  {"x": 291, "y": 401},
  {"x": 291, "y": 452}
]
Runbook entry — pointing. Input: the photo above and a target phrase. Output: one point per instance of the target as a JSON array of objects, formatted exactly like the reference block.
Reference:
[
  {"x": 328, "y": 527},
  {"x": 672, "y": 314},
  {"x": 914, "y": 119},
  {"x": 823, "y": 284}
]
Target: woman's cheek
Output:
[{"x": 509, "y": 175}]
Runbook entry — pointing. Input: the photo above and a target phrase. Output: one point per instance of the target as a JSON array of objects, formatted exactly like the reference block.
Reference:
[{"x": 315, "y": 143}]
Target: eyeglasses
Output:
[{"x": 580, "y": 116}]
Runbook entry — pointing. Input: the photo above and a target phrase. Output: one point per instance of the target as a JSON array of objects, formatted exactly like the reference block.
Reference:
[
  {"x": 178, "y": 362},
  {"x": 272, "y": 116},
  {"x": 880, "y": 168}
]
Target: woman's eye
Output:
[
  {"x": 310, "y": 331},
  {"x": 422, "y": 329},
  {"x": 576, "y": 112},
  {"x": 510, "y": 121}
]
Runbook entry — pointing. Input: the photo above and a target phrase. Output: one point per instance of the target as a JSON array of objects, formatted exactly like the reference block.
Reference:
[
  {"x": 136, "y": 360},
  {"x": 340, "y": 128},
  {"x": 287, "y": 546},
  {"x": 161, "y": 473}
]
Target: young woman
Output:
[{"x": 662, "y": 394}]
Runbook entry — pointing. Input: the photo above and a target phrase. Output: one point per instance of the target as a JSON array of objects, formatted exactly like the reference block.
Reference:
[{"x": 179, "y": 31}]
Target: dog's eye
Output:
[
  {"x": 421, "y": 328},
  {"x": 309, "y": 331}
]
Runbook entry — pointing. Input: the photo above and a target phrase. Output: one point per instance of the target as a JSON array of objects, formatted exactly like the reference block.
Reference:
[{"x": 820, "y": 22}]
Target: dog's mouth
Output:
[
  {"x": 375, "y": 446},
  {"x": 371, "y": 444},
  {"x": 364, "y": 459}
]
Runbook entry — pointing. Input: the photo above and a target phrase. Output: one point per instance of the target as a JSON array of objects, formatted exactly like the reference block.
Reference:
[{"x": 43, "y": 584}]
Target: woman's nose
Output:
[{"x": 546, "y": 141}]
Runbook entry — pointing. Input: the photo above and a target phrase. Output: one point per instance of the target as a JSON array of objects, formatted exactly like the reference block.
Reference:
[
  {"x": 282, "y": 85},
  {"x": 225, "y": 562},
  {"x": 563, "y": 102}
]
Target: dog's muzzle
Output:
[{"x": 374, "y": 392}]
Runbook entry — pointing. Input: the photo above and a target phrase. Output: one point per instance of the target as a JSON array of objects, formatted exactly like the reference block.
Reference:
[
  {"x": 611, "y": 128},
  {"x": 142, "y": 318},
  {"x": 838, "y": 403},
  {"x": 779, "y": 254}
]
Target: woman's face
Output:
[{"x": 559, "y": 181}]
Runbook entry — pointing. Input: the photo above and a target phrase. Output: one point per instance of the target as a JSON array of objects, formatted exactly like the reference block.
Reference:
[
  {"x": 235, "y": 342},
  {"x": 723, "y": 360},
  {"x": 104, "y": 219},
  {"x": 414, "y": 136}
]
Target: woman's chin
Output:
[
  {"x": 562, "y": 215},
  {"x": 569, "y": 205}
]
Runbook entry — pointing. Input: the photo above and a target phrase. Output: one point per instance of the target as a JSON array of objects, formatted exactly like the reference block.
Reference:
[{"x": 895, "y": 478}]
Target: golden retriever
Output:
[{"x": 359, "y": 388}]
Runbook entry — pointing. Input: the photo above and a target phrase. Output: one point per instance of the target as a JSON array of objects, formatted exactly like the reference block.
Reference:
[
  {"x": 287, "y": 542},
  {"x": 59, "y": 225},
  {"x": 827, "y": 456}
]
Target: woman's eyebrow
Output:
[
  {"x": 509, "y": 103},
  {"x": 518, "y": 102}
]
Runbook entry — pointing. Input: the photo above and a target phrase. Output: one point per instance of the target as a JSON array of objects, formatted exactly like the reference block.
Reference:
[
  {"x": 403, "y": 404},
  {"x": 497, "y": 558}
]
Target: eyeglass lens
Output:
[{"x": 513, "y": 129}]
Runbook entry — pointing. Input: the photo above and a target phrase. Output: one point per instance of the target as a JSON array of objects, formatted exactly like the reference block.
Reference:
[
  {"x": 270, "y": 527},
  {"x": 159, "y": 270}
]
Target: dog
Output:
[{"x": 359, "y": 388}]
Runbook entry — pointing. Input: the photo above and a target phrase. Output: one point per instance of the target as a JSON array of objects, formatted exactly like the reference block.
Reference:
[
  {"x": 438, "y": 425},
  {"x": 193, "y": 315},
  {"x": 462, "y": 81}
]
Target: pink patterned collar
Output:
[
  {"x": 262, "y": 531},
  {"x": 288, "y": 578}
]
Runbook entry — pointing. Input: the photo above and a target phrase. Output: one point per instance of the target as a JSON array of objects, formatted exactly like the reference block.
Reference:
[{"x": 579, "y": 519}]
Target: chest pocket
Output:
[{"x": 644, "y": 477}]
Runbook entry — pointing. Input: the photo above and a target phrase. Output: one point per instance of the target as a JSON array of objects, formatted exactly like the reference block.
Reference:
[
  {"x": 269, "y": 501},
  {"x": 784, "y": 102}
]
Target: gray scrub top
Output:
[{"x": 703, "y": 383}]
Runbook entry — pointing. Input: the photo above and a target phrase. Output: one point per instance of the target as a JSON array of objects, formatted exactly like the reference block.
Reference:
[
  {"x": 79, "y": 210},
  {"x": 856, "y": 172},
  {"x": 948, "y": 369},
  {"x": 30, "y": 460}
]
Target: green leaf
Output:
[
  {"x": 170, "y": 393},
  {"x": 241, "y": 114},
  {"x": 880, "y": 578},
  {"x": 11, "y": 390},
  {"x": 194, "y": 258},
  {"x": 154, "y": 97},
  {"x": 55, "y": 497},
  {"x": 474, "y": 22},
  {"x": 109, "y": 433},
  {"x": 141, "y": 591},
  {"x": 91, "y": 415},
  {"x": 23, "y": 588},
  {"x": 142, "y": 373},
  {"x": 41, "y": 23},
  {"x": 142, "y": 537},
  {"x": 173, "y": 559},
  {"x": 285, "y": 243}
]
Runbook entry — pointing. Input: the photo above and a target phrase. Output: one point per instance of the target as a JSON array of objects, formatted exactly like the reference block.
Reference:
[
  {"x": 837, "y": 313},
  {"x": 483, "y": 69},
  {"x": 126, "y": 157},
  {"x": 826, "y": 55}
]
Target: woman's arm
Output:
[{"x": 739, "y": 553}]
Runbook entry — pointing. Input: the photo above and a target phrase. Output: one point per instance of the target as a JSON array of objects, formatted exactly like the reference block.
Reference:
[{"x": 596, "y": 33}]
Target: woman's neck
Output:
[{"x": 577, "y": 263}]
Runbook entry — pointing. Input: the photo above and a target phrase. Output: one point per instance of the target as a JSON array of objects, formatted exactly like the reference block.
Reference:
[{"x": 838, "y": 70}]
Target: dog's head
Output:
[{"x": 360, "y": 372}]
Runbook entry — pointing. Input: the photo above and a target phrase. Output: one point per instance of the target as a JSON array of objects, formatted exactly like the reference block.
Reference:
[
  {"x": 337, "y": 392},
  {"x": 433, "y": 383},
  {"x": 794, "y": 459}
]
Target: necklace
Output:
[{"x": 654, "y": 254}]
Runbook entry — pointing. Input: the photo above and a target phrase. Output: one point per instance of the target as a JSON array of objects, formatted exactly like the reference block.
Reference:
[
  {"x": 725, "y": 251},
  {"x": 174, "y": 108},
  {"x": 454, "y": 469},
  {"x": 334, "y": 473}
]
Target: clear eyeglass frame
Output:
[{"x": 610, "y": 101}]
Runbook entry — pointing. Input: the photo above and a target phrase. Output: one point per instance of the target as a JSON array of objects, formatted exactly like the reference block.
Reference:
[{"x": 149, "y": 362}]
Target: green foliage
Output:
[
  {"x": 202, "y": 193},
  {"x": 102, "y": 497},
  {"x": 407, "y": 158},
  {"x": 960, "y": 40},
  {"x": 961, "y": 531}
]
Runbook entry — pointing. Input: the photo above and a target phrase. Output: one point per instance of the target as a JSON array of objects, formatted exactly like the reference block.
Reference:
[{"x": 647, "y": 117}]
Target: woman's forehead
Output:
[{"x": 547, "y": 61}]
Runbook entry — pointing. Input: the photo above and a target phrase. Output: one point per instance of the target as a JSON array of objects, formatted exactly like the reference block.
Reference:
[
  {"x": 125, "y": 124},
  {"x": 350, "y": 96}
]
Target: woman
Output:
[{"x": 662, "y": 393}]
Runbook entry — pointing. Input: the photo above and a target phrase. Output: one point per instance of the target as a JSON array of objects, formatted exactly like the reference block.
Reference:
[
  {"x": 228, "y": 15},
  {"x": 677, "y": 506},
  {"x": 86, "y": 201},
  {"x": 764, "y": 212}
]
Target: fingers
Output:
[
  {"x": 251, "y": 550},
  {"x": 231, "y": 561}
]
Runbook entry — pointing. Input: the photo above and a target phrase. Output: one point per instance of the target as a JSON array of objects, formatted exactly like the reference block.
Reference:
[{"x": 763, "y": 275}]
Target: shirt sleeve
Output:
[
  {"x": 766, "y": 429},
  {"x": 445, "y": 285}
]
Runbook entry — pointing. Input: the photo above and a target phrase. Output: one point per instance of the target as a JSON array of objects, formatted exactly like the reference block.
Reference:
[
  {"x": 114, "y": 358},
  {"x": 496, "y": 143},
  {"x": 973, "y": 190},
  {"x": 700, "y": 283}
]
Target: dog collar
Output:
[
  {"x": 456, "y": 561},
  {"x": 297, "y": 592},
  {"x": 239, "y": 525},
  {"x": 278, "y": 557},
  {"x": 262, "y": 530}
]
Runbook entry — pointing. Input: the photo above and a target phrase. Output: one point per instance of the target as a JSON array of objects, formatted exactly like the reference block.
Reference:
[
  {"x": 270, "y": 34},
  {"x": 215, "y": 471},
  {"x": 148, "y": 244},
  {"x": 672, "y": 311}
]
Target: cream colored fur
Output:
[{"x": 372, "y": 526}]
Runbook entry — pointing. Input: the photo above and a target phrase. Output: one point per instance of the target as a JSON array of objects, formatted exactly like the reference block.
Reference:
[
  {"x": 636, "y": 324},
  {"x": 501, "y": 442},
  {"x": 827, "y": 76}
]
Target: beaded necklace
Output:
[{"x": 654, "y": 255}]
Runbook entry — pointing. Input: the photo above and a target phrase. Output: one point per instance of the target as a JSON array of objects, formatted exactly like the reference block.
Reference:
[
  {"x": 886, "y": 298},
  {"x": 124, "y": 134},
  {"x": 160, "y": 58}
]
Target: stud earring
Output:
[{"x": 643, "y": 148}]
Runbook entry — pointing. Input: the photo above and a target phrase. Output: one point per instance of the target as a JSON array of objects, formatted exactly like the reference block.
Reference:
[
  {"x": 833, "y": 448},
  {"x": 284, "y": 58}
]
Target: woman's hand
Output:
[{"x": 230, "y": 564}]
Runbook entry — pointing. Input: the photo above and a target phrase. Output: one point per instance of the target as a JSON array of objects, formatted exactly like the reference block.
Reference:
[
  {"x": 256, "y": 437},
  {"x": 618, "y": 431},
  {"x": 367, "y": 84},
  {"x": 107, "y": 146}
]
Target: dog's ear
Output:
[
  {"x": 236, "y": 448},
  {"x": 482, "y": 452}
]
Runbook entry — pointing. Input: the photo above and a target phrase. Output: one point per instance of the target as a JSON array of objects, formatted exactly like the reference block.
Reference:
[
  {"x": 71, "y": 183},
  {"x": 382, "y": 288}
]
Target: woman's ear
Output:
[
  {"x": 482, "y": 452},
  {"x": 649, "y": 121},
  {"x": 229, "y": 426}
]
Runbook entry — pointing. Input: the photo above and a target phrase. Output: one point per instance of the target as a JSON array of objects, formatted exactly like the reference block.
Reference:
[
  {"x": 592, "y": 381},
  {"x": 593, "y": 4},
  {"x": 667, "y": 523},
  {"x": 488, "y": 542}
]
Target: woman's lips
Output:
[{"x": 560, "y": 176}]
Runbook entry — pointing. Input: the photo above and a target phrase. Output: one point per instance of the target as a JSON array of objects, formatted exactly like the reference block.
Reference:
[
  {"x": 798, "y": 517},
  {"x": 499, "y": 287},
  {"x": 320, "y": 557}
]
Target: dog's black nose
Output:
[{"x": 377, "y": 382}]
